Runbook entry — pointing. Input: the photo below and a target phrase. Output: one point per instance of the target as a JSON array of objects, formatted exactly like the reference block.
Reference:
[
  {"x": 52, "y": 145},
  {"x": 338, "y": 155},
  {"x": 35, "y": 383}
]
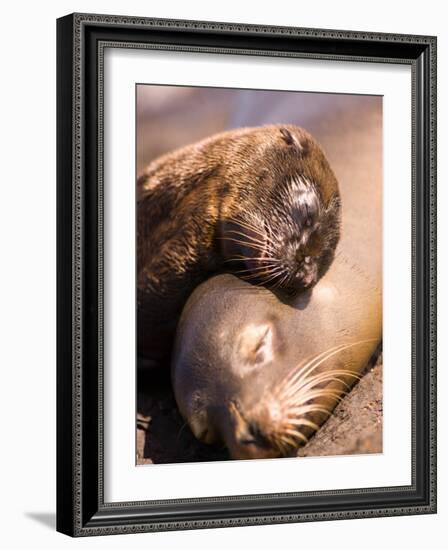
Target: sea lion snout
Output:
[
  {"x": 307, "y": 276},
  {"x": 244, "y": 436}
]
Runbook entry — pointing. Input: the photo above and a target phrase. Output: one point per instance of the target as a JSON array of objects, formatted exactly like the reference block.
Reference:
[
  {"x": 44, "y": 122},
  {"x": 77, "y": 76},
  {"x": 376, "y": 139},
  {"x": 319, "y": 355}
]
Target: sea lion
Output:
[
  {"x": 260, "y": 373},
  {"x": 260, "y": 202}
]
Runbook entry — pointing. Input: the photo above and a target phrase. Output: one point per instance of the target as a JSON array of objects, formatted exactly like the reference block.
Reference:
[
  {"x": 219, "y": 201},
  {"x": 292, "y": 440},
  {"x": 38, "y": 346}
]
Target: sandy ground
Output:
[{"x": 355, "y": 426}]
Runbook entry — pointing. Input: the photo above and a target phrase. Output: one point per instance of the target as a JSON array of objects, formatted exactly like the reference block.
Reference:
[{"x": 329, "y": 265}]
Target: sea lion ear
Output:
[
  {"x": 256, "y": 344},
  {"x": 289, "y": 138},
  {"x": 293, "y": 141}
]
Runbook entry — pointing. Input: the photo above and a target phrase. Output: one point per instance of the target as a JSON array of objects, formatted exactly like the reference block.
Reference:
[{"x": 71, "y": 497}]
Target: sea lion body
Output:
[
  {"x": 247, "y": 360},
  {"x": 261, "y": 202}
]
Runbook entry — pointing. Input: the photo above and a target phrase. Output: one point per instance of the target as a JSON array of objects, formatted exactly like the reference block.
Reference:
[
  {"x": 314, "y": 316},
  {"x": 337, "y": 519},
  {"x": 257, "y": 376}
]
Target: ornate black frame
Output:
[{"x": 81, "y": 39}]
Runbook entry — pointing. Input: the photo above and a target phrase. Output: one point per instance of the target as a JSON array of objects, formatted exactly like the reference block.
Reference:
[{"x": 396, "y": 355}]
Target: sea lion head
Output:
[
  {"x": 285, "y": 236},
  {"x": 221, "y": 404},
  {"x": 234, "y": 373}
]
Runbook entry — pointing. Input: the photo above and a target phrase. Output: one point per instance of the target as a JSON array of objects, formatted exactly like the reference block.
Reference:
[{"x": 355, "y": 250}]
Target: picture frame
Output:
[{"x": 81, "y": 506}]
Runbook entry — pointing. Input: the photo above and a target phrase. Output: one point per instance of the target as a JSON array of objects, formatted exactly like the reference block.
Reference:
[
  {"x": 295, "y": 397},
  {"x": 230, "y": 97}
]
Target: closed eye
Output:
[{"x": 314, "y": 244}]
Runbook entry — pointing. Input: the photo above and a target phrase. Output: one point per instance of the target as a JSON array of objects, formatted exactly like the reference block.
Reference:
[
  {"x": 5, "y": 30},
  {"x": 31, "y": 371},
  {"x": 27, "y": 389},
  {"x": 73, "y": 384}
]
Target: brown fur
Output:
[{"x": 185, "y": 199}]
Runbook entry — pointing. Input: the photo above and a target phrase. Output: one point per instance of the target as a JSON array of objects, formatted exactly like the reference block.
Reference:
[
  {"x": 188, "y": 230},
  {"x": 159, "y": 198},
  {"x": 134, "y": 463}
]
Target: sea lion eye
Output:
[{"x": 256, "y": 345}]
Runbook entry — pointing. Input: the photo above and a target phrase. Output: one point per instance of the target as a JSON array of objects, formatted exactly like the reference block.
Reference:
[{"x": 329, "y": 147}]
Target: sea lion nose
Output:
[
  {"x": 309, "y": 277},
  {"x": 304, "y": 279},
  {"x": 243, "y": 431},
  {"x": 308, "y": 280}
]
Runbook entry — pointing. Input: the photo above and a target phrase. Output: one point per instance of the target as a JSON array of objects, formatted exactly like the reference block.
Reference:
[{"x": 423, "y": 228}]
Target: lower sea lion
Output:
[
  {"x": 245, "y": 369},
  {"x": 261, "y": 374},
  {"x": 261, "y": 202}
]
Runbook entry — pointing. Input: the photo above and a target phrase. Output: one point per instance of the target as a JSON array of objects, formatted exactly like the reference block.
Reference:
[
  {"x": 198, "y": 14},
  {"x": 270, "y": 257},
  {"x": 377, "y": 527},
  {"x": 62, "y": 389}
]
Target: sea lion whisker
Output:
[
  {"x": 251, "y": 218},
  {"x": 250, "y": 227},
  {"x": 247, "y": 223},
  {"x": 296, "y": 434},
  {"x": 259, "y": 268},
  {"x": 278, "y": 268},
  {"x": 305, "y": 409},
  {"x": 239, "y": 234},
  {"x": 333, "y": 376},
  {"x": 302, "y": 393},
  {"x": 263, "y": 266},
  {"x": 258, "y": 258},
  {"x": 260, "y": 277},
  {"x": 312, "y": 365},
  {"x": 254, "y": 245},
  {"x": 312, "y": 386},
  {"x": 266, "y": 267},
  {"x": 303, "y": 385},
  {"x": 247, "y": 275},
  {"x": 264, "y": 277},
  {"x": 308, "y": 362},
  {"x": 287, "y": 441},
  {"x": 259, "y": 246},
  {"x": 302, "y": 369},
  {"x": 282, "y": 441},
  {"x": 263, "y": 270},
  {"x": 281, "y": 281},
  {"x": 328, "y": 355},
  {"x": 247, "y": 216},
  {"x": 262, "y": 282},
  {"x": 314, "y": 394},
  {"x": 273, "y": 277},
  {"x": 303, "y": 422}
]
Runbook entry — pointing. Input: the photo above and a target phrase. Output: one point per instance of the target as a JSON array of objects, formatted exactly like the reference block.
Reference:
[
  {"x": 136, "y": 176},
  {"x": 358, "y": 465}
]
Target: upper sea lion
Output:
[{"x": 260, "y": 202}]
